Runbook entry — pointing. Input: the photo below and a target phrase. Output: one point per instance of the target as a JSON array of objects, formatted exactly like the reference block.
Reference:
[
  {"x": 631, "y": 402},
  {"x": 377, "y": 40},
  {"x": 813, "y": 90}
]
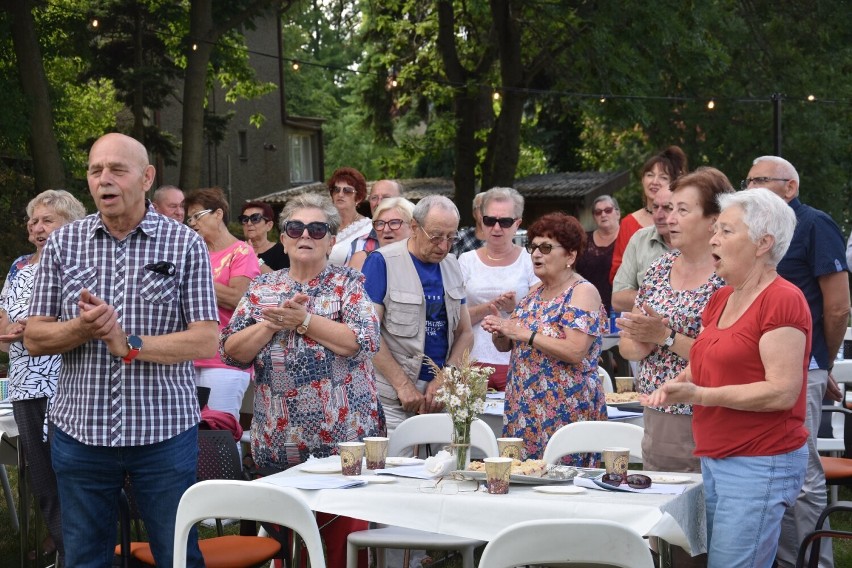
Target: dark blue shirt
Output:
[
  {"x": 437, "y": 343},
  {"x": 817, "y": 249}
]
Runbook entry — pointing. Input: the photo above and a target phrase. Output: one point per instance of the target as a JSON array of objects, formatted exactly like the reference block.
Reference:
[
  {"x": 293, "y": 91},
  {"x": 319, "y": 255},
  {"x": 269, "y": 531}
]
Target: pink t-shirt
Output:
[
  {"x": 238, "y": 259},
  {"x": 731, "y": 356}
]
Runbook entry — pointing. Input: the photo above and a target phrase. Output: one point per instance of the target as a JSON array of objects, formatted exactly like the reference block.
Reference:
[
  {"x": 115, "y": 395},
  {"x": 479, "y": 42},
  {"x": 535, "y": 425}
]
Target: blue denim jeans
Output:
[
  {"x": 90, "y": 479},
  {"x": 746, "y": 498}
]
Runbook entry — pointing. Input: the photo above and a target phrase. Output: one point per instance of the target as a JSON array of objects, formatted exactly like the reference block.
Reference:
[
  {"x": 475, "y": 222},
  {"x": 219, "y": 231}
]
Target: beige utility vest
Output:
[{"x": 404, "y": 321}]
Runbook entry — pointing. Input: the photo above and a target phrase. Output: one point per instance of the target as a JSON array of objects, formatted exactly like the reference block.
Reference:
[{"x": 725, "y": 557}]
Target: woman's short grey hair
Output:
[
  {"x": 62, "y": 202},
  {"x": 504, "y": 194},
  {"x": 401, "y": 204},
  {"x": 764, "y": 213},
  {"x": 609, "y": 198},
  {"x": 425, "y": 205},
  {"x": 311, "y": 201}
]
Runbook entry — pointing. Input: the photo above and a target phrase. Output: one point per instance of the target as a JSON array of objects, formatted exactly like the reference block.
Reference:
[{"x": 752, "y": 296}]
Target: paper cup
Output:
[
  {"x": 497, "y": 472},
  {"x": 623, "y": 384},
  {"x": 615, "y": 459},
  {"x": 511, "y": 448},
  {"x": 377, "y": 450},
  {"x": 351, "y": 456}
]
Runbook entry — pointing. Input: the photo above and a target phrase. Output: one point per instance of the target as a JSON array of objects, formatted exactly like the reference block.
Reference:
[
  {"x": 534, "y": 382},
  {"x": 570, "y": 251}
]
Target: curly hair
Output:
[
  {"x": 351, "y": 176},
  {"x": 564, "y": 228}
]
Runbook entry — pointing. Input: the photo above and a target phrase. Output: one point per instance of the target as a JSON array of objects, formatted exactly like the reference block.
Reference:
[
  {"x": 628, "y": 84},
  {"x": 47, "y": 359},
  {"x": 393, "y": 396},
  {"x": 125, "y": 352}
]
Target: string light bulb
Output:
[
  {"x": 811, "y": 98},
  {"x": 603, "y": 100},
  {"x": 295, "y": 65},
  {"x": 496, "y": 96},
  {"x": 711, "y": 105},
  {"x": 95, "y": 23},
  {"x": 394, "y": 83},
  {"x": 194, "y": 47}
]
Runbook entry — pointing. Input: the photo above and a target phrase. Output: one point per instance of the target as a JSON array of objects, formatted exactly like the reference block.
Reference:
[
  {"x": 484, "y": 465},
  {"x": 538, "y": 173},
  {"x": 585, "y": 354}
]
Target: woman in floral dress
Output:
[
  {"x": 311, "y": 332},
  {"x": 666, "y": 319},
  {"x": 554, "y": 335}
]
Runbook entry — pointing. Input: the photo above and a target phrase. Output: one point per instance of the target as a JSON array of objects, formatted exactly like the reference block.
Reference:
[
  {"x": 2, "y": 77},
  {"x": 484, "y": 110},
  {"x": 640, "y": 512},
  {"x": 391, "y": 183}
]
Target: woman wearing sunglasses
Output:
[
  {"x": 234, "y": 265},
  {"x": 496, "y": 275},
  {"x": 347, "y": 188},
  {"x": 256, "y": 219},
  {"x": 658, "y": 172},
  {"x": 596, "y": 260},
  {"x": 310, "y": 332},
  {"x": 392, "y": 222},
  {"x": 554, "y": 335}
]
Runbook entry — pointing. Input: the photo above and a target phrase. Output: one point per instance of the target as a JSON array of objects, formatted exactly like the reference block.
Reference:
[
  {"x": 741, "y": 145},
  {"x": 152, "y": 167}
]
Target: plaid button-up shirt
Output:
[{"x": 100, "y": 400}]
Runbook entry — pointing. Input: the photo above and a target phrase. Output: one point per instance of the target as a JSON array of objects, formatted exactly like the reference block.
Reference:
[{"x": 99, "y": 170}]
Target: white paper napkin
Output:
[{"x": 440, "y": 464}]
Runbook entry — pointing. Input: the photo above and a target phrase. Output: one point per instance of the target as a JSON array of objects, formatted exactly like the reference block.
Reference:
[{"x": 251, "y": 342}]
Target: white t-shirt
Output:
[
  {"x": 342, "y": 249},
  {"x": 482, "y": 284}
]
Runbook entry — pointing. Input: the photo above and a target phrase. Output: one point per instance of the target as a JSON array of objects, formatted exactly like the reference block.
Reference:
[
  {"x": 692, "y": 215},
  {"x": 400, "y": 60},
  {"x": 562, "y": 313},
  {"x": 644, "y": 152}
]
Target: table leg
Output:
[
  {"x": 665, "y": 552},
  {"x": 10, "y": 500}
]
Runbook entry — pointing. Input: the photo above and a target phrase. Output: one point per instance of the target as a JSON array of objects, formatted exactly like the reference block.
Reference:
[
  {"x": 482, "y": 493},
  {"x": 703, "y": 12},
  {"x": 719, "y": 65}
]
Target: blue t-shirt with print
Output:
[{"x": 437, "y": 343}]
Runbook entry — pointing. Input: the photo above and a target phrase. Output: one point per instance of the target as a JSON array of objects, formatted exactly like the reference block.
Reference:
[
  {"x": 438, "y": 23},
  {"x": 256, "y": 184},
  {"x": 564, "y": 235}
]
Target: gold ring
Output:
[{"x": 280, "y": 319}]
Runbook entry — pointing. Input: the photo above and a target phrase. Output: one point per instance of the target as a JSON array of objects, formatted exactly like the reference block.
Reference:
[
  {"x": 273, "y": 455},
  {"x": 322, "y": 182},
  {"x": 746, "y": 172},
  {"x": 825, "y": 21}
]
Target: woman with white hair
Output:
[
  {"x": 392, "y": 223},
  {"x": 746, "y": 379}
]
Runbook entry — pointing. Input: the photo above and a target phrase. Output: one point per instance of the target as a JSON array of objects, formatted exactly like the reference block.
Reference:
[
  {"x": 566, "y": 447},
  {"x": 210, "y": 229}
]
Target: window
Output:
[
  {"x": 242, "y": 145},
  {"x": 301, "y": 163}
]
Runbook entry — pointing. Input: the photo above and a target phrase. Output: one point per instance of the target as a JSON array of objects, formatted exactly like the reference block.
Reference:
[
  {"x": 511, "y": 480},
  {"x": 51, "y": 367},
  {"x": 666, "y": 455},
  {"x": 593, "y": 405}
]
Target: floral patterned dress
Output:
[
  {"x": 308, "y": 398},
  {"x": 683, "y": 308},
  {"x": 542, "y": 393}
]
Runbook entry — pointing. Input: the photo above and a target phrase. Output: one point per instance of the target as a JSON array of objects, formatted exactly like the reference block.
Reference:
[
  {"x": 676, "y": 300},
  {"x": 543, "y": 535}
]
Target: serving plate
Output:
[
  {"x": 327, "y": 467},
  {"x": 533, "y": 480}
]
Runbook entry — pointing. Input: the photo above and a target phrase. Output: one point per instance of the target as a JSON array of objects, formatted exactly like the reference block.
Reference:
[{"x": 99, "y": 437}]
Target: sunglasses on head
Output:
[
  {"x": 545, "y": 248},
  {"x": 635, "y": 481},
  {"x": 254, "y": 218},
  {"x": 345, "y": 189},
  {"x": 316, "y": 229},
  {"x": 604, "y": 211},
  {"x": 504, "y": 222},
  {"x": 393, "y": 224}
]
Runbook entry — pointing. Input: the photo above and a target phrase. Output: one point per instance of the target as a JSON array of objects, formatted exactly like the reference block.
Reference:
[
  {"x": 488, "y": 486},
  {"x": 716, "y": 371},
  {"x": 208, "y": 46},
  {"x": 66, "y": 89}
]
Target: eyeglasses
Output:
[
  {"x": 545, "y": 248},
  {"x": 439, "y": 239},
  {"x": 759, "y": 180},
  {"x": 604, "y": 211},
  {"x": 254, "y": 218},
  {"x": 504, "y": 222},
  {"x": 345, "y": 189},
  {"x": 636, "y": 481},
  {"x": 316, "y": 229},
  {"x": 393, "y": 224},
  {"x": 193, "y": 219},
  {"x": 449, "y": 485}
]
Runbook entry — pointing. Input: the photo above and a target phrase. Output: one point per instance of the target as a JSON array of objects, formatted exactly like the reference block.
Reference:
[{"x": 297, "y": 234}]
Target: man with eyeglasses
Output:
[
  {"x": 644, "y": 247},
  {"x": 815, "y": 263},
  {"x": 417, "y": 289},
  {"x": 168, "y": 200},
  {"x": 471, "y": 238}
]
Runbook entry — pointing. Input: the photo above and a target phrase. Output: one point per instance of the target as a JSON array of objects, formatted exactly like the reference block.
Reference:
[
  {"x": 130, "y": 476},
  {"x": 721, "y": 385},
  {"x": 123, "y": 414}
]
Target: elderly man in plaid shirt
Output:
[{"x": 126, "y": 297}]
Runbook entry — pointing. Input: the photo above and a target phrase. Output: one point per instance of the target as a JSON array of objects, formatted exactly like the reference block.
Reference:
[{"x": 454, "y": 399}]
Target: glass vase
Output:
[{"x": 461, "y": 443}]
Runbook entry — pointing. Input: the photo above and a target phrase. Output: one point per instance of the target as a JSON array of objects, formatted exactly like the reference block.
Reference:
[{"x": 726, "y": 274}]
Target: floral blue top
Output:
[
  {"x": 543, "y": 393},
  {"x": 683, "y": 308},
  {"x": 308, "y": 398}
]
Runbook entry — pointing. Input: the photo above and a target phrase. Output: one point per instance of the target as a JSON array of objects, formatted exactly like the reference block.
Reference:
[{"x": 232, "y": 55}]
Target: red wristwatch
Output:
[{"x": 134, "y": 344}]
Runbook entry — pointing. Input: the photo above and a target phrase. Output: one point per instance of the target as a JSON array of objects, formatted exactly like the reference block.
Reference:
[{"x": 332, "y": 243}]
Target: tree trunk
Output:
[
  {"x": 47, "y": 161},
  {"x": 466, "y": 110},
  {"x": 194, "y": 92}
]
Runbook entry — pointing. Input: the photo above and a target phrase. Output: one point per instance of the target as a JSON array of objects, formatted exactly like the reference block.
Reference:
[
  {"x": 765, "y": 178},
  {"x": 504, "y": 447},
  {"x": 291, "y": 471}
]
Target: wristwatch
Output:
[
  {"x": 134, "y": 344},
  {"x": 670, "y": 339},
  {"x": 303, "y": 328}
]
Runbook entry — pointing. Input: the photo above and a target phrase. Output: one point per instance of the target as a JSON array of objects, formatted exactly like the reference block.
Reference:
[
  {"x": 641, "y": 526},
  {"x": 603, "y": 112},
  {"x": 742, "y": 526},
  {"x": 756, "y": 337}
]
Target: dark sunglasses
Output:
[
  {"x": 504, "y": 222},
  {"x": 604, "y": 211},
  {"x": 545, "y": 248},
  {"x": 254, "y": 218},
  {"x": 393, "y": 224},
  {"x": 316, "y": 229},
  {"x": 346, "y": 189},
  {"x": 636, "y": 481}
]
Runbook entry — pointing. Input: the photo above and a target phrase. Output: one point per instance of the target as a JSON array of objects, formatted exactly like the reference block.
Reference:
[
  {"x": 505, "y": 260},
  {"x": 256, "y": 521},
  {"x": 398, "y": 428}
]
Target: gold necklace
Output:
[{"x": 495, "y": 259}]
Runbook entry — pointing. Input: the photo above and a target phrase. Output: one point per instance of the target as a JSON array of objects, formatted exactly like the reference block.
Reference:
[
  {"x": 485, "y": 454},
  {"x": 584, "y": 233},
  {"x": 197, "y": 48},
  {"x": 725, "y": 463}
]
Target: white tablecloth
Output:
[{"x": 678, "y": 519}]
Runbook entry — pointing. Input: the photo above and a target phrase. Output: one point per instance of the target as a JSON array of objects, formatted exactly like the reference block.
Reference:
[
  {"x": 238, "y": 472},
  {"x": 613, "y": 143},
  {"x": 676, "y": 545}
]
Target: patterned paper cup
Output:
[
  {"x": 615, "y": 459},
  {"x": 497, "y": 472},
  {"x": 511, "y": 448},
  {"x": 351, "y": 456},
  {"x": 377, "y": 450}
]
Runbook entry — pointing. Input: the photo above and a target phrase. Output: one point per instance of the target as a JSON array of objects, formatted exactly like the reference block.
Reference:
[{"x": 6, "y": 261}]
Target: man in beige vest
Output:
[{"x": 417, "y": 289}]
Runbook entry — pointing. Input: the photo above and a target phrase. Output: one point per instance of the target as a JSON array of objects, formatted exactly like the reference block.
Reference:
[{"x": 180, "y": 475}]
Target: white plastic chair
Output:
[
  {"x": 567, "y": 541},
  {"x": 9, "y": 455},
  {"x": 593, "y": 436},
  {"x": 422, "y": 429},
  {"x": 250, "y": 500}
]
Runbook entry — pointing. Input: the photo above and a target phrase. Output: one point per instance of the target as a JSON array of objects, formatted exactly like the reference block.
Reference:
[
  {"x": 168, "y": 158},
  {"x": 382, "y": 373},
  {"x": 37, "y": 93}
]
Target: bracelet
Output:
[{"x": 532, "y": 336}]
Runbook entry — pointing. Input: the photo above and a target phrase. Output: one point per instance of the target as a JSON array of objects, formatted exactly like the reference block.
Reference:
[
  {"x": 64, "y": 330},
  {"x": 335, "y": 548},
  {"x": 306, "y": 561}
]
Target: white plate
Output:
[
  {"x": 396, "y": 461},
  {"x": 559, "y": 489},
  {"x": 5, "y": 411},
  {"x": 373, "y": 478},
  {"x": 669, "y": 479},
  {"x": 328, "y": 467}
]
